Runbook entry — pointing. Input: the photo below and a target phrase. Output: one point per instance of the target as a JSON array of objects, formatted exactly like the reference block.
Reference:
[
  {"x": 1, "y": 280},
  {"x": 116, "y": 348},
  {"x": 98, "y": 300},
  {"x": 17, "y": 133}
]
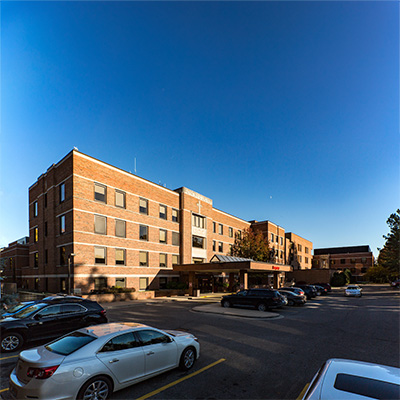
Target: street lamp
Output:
[{"x": 69, "y": 272}]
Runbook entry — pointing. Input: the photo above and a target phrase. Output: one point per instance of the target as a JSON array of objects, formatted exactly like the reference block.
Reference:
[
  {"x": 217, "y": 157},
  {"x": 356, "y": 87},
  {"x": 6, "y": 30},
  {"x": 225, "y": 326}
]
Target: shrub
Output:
[{"x": 338, "y": 279}]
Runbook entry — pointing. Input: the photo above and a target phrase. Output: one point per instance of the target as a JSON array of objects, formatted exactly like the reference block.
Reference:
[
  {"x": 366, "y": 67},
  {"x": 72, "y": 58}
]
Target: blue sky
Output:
[{"x": 282, "y": 111}]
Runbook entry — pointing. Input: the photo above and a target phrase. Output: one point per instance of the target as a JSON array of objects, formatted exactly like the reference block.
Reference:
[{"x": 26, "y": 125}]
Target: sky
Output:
[{"x": 280, "y": 111}]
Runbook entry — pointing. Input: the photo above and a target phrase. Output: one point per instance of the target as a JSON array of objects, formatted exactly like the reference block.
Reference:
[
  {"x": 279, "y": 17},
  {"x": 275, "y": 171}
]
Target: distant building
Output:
[
  {"x": 104, "y": 226},
  {"x": 300, "y": 251},
  {"x": 355, "y": 258},
  {"x": 14, "y": 261}
]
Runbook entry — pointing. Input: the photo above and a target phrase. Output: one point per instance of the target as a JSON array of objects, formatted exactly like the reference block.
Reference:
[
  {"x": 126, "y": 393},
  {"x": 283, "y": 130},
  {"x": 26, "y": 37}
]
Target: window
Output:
[
  {"x": 149, "y": 337},
  {"x": 36, "y": 235},
  {"x": 281, "y": 254},
  {"x": 272, "y": 237},
  {"x": 306, "y": 260},
  {"x": 214, "y": 227},
  {"x": 121, "y": 342},
  {"x": 72, "y": 308},
  {"x": 45, "y": 200},
  {"x": 214, "y": 245},
  {"x": 35, "y": 209},
  {"x": 198, "y": 241},
  {"x": 163, "y": 236},
  {"x": 50, "y": 311},
  {"x": 230, "y": 232},
  {"x": 175, "y": 238},
  {"x": 143, "y": 206},
  {"x": 306, "y": 250},
  {"x": 36, "y": 260},
  {"x": 220, "y": 229},
  {"x": 143, "y": 232},
  {"x": 100, "y": 283},
  {"x": 119, "y": 256},
  {"x": 143, "y": 283},
  {"x": 364, "y": 260},
  {"x": 198, "y": 221},
  {"x": 100, "y": 193},
  {"x": 300, "y": 259},
  {"x": 352, "y": 260},
  {"x": 46, "y": 256},
  {"x": 196, "y": 260},
  {"x": 342, "y": 261},
  {"x": 120, "y": 199},
  {"x": 62, "y": 192},
  {"x": 62, "y": 224},
  {"x": 120, "y": 228},
  {"x": 63, "y": 256},
  {"x": 162, "y": 283},
  {"x": 239, "y": 234},
  {"x": 175, "y": 217},
  {"x": 332, "y": 262},
  {"x": 70, "y": 343},
  {"x": 299, "y": 247},
  {"x": 220, "y": 247},
  {"x": 281, "y": 241},
  {"x": 45, "y": 229},
  {"x": 175, "y": 259},
  {"x": 143, "y": 258},
  {"x": 163, "y": 260},
  {"x": 100, "y": 224},
  {"x": 120, "y": 282},
  {"x": 100, "y": 255},
  {"x": 277, "y": 239},
  {"x": 163, "y": 212}
]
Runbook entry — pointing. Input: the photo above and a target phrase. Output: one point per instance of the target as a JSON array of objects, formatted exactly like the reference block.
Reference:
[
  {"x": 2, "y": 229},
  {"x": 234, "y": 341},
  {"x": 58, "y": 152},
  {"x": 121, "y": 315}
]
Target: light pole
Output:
[{"x": 69, "y": 272}]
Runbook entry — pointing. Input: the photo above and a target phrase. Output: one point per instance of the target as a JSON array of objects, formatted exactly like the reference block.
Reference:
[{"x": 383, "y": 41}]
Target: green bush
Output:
[
  {"x": 338, "y": 279},
  {"x": 176, "y": 285}
]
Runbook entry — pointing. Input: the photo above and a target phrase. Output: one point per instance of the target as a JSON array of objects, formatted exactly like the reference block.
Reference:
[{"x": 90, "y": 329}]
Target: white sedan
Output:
[
  {"x": 353, "y": 290},
  {"x": 93, "y": 362}
]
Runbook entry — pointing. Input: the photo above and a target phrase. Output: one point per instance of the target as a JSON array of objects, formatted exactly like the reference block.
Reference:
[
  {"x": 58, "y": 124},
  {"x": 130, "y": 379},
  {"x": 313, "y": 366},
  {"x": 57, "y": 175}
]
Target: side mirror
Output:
[{"x": 38, "y": 316}]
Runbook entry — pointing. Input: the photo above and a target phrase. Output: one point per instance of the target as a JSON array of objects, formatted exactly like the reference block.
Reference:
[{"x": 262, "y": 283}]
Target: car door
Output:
[
  {"x": 240, "y": 298},
  {"x": 123, "y": 355},
  {"x": 160, "y": 351},
  {"x": 45, "y": 323},
  {"x": 71, "y": 317}
]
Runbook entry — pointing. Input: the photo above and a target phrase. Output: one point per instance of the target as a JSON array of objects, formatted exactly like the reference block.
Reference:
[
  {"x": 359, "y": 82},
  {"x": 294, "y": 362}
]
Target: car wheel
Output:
[
  {"x": 98, "y": 388},
  {"x": 11, "y": 342},
  {"x": 261, "y": 307},
  {"x": 290, "y": 303},
  {"x": 188, "y": 358},
  {"x": 226, "y": 304}
]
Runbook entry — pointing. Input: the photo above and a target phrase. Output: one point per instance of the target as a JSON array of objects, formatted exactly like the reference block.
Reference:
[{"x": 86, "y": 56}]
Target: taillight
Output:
[
  {"x": 42, "y": 373},
  {"x": 301, "y": 292},
  {"x": 103, "y": 312}
]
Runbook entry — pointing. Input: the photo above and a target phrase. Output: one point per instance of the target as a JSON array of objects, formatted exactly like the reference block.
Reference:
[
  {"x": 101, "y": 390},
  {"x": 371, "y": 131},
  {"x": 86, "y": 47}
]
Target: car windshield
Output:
[
  {"x": 26, "y": 312},
  {"x": 70, "y": 343}
]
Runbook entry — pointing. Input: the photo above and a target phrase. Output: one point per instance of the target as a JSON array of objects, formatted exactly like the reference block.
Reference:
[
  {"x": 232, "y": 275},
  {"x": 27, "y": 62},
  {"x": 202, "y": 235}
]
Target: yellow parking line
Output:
[
  {"x": 3, "y": 390},
  {"x": 146, "y": 396},
  {"x": 5, "y": 358},
  {"x": 303, "y": 392}
]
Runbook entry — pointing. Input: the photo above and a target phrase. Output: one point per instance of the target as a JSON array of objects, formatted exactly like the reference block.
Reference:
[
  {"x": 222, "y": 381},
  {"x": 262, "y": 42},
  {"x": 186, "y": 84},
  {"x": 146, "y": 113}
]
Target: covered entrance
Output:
[{"x": 232, "y": 272}]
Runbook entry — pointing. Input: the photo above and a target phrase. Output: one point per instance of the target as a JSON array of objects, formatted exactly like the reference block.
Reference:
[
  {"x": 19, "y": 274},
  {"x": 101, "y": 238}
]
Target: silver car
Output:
[
  {"x": 340, "y": 379},
  {"x": 93, "y": 362},
  {"x": 353, "y": 290}
]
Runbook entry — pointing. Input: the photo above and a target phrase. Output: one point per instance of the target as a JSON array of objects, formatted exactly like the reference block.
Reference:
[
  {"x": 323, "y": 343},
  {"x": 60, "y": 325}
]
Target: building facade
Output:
[
  {"x": 355, "y": 258},
  {"x": 93, "y": 225},
  {"x": 300, "y": 251}
]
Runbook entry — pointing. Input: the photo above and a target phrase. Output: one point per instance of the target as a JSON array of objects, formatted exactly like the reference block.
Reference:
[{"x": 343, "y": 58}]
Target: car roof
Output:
[
  {"x": 112, "y": 328},
  {"x": 354, "y": 372}
]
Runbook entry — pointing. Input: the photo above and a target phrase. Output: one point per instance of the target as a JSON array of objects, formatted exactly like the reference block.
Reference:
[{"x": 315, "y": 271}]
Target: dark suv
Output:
[
  {"x": 261, "y": 299},
  {"x": 48, "y": 318}
]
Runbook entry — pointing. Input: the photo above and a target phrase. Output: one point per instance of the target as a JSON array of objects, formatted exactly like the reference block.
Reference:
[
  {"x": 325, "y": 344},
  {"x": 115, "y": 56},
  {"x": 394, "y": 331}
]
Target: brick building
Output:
[
  {"x": 299, "y": 251},
  {"x": 355, "y": 258},
  {"x": 102, "y": 226},
  {"x": 14, "y": 261}
]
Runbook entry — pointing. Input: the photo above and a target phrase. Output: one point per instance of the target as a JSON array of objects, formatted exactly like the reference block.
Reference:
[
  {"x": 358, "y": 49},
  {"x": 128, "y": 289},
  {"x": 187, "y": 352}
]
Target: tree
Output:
[
  {"x": 389, "y": 256},
  {"x": 251, "y": 245}
]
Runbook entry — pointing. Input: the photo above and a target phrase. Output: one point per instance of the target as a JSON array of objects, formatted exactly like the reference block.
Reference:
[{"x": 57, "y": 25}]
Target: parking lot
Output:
[{"x": 261, "y": 358}]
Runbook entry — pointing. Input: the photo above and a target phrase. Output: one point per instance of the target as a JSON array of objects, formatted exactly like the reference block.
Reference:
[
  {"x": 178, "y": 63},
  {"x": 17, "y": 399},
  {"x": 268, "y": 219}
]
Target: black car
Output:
[
  {"x": 47, "y": 319},
  {"x": 321, "y": 289},
  {"x": 327, "y": 286},
  {"x": 293, "y": 298},
  {"x": 308, "y": 290},
  {"x": 261, "y": 299}
]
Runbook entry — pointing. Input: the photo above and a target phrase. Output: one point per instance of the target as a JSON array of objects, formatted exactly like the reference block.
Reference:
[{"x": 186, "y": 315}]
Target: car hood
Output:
[
  {"x": 179, "y": 333},
  {"x": 8, "y": 319}
]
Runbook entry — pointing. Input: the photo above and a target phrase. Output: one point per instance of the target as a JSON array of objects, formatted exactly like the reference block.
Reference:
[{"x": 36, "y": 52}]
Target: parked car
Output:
[
  {"x": 261, "y": 299},
  {"x": 47, "y": 319},
  {"x": 94, "y": 362},
  {"x": 395, "y": 284},
  {"x": 293, "y": 289},
  {"x": 308, "y": 290},
  {"x": 341, "y": 379},
  {"x": 293, "y": 299},
  {"x": 325, "y": 285},
  {"x": 322, "y": 290},
  {"x": 353, "y": 290}
]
